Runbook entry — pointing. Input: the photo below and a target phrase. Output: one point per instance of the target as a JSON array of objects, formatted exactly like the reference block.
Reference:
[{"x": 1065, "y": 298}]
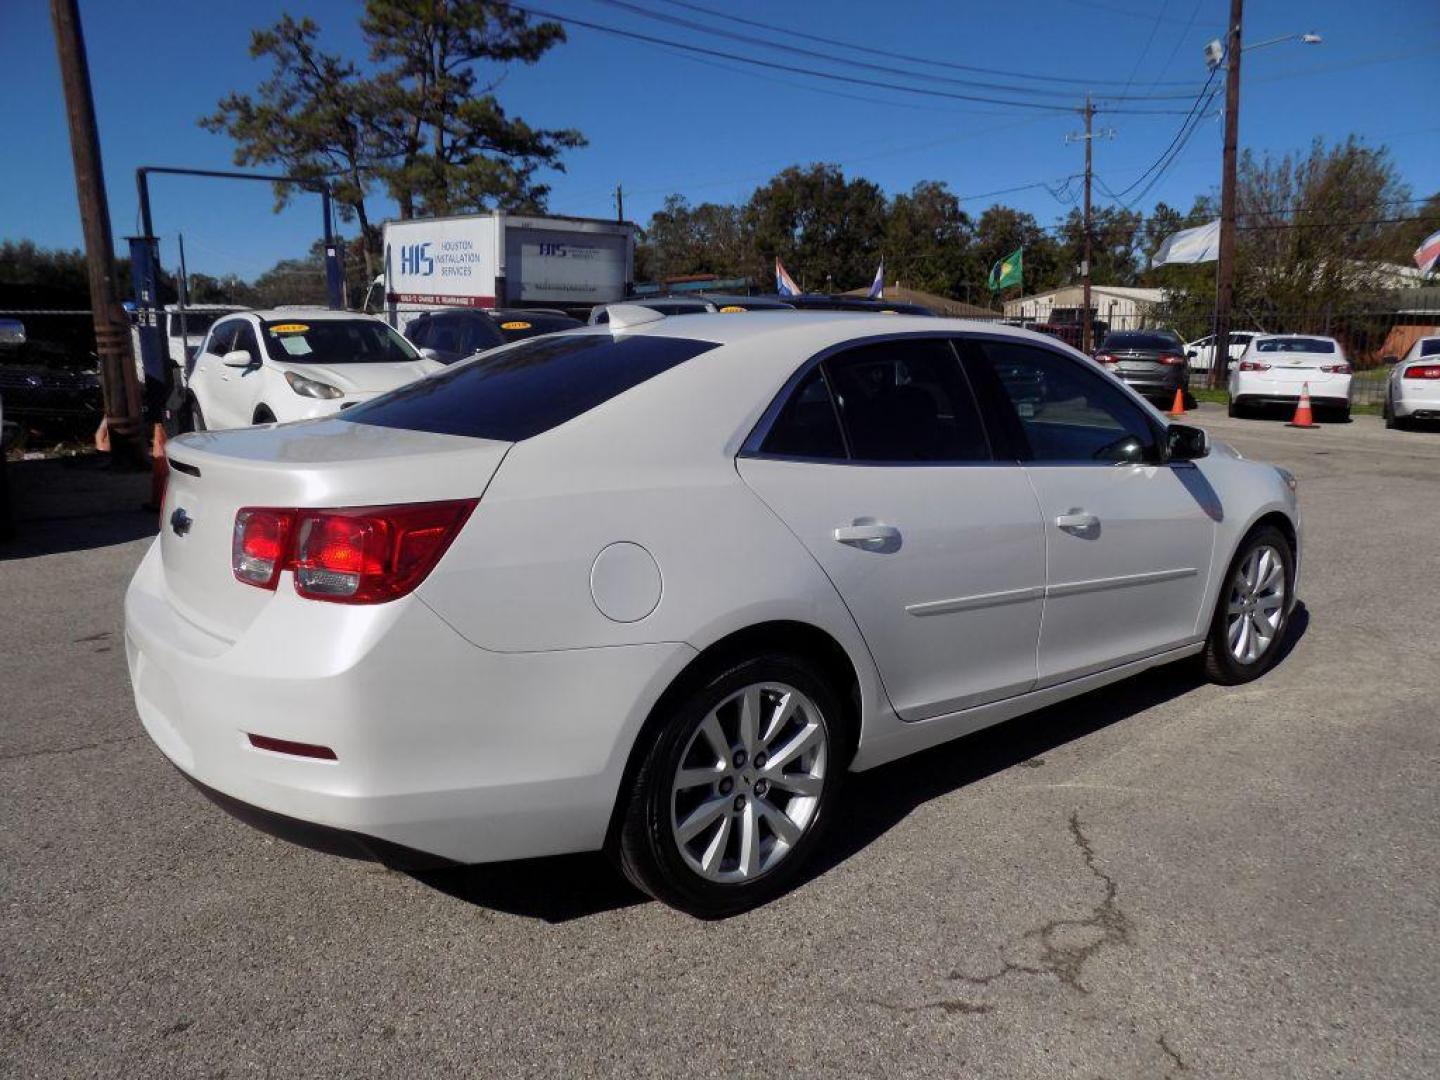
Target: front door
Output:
[
  {"x": 936, "y": 548},
  {"x": 1128, "y": 539}
]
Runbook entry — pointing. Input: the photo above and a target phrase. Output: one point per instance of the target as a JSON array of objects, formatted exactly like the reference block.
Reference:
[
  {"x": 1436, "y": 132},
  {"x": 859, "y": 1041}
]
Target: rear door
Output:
[
  {"x": 880, "y": 464},
  {"x": 1128, "y": 539}
]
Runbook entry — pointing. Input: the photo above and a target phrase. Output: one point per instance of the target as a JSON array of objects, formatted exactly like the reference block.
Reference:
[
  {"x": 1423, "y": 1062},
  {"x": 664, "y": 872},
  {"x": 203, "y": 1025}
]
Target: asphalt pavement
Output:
[{"x": 1160, "y": 879}]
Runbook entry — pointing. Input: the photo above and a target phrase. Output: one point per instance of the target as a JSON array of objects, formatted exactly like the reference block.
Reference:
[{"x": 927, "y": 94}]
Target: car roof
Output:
[
  {"x": 311, "y": 314},
  {"x": 817, "y": 330}
]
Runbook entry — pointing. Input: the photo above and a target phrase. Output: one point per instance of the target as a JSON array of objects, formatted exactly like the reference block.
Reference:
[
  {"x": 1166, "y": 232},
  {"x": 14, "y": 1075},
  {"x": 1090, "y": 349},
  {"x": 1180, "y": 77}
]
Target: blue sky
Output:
[{"x": 659, "y": 121}]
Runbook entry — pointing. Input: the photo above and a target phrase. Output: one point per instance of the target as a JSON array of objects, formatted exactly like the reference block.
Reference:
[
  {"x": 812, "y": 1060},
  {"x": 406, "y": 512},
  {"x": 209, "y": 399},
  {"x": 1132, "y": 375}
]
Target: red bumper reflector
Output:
[{"x": 285, "y": 746}]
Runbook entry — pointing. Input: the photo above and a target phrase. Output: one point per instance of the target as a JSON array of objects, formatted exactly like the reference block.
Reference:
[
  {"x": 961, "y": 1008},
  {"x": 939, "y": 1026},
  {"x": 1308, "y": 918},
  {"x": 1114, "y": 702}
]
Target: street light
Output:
[
  {"x": 1228, "y": 54},
  {"x": 1215, "y": 49}
]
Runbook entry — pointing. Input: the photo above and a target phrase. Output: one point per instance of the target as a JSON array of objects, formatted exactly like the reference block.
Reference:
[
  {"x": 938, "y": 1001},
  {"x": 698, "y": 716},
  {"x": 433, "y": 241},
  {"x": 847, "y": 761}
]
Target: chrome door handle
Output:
[
  {"x": 865, "y": 535},
  {"x": 1077, "y": 521}
]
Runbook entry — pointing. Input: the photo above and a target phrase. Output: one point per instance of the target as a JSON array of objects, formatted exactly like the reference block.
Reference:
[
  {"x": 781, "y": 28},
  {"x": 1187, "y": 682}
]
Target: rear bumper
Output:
[
  {"x": 1155, "y": 385},
  {"x": 1320, "y": 401},
  {"x": 440, "y": 747},
  {"x": 1421, "y": 402}
]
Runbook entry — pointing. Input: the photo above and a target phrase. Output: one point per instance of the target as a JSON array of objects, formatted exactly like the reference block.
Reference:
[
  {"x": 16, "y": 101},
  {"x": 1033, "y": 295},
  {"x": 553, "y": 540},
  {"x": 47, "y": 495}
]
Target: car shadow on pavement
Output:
[
  {"x": 73, "y": 504},
  {"x": 567, "y": 887}
]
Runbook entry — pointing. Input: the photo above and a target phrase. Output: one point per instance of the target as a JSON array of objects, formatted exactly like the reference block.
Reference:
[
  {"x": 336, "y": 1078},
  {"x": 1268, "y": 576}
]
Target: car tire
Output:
[
  {"x": 1237, "y": 648},
  {"x": 1234, "y": 409},
  {"x": 1392, "y": 422},
  {"x": 753, "y": 828}
]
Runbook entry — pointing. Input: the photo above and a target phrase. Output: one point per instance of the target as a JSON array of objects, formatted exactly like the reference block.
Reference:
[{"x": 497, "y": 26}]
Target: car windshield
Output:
[
  {"x": 1135, "y": 340},
  {"x": 1296, "y": 344},
  {"x": 335, "y": 341}
]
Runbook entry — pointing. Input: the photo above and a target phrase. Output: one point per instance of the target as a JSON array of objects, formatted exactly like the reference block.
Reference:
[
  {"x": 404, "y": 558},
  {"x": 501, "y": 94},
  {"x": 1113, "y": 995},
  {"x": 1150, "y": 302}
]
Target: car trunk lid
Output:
[{"x": 321, "y": 463}]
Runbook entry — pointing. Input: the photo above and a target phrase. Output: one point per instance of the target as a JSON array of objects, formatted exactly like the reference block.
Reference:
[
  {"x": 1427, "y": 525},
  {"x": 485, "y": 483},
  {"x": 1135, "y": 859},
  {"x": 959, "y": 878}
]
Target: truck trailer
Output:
[{"x": 501, "y": 259}]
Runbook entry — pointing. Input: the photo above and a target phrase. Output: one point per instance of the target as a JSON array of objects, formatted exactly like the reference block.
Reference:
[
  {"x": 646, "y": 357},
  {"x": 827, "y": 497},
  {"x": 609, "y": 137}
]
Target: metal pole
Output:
[
  {"x": 334, "y": 276},
  {"x": 619, "y": 203},
  {"x": 1225, "y": 267},
  {"x": 1085, "y": 266},
  {"x": 112, "y": 329}
]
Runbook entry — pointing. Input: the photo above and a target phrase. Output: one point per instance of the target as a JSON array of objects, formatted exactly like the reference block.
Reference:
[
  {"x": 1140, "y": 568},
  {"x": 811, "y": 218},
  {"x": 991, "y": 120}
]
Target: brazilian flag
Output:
[{"x": 1008, "y": 271}]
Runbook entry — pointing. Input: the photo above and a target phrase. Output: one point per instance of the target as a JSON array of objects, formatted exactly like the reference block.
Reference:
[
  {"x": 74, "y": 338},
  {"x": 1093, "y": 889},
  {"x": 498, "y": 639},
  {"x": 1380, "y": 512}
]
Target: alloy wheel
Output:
[
  {"x": 749, "y": 782},
  {"x": 1256, "y": 606}
]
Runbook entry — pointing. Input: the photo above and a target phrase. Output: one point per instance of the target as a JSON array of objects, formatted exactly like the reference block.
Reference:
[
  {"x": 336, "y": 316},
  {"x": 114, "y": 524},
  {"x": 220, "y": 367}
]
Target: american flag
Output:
[{"x": 1428, "y": 252}]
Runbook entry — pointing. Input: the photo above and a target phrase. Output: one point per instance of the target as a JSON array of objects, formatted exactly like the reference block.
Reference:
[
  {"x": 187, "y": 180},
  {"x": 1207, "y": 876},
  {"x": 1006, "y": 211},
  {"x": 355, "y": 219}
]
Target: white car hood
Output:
[{"x": 364, "y": 378}]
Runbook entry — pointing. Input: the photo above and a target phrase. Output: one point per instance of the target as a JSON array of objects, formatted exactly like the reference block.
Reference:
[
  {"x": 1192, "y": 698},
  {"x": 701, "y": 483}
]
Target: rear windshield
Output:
[
  {"x": 1430, "y": 347},
  {"x": 520, "y": 391},
  {"x": 1136, "y": 340},
  {"x": 335, "y": 341},
  {"x": 1295, "y": 344}
]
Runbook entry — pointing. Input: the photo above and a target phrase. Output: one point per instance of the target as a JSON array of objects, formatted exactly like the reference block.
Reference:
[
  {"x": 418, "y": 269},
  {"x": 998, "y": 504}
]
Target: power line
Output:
[
  {"x": 730, "y": 16},
  {"x": 1187, "y": 125},
  {"x": 540, "y": 13},
  {"x": 829, "y": 57}
]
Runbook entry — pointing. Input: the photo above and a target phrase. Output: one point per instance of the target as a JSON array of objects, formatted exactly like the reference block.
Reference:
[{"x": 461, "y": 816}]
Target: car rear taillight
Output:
[
  {"x": 1107, "y": 358},
  {"x": 1337, "y": 369},
  {"x": 1253, "y": 365},
  {"x": 348, "y": 555},
  {"x": 1422, "y": 371},
  {"x": 1171, "y": 359},
  {"x": 260, "y": 545}
]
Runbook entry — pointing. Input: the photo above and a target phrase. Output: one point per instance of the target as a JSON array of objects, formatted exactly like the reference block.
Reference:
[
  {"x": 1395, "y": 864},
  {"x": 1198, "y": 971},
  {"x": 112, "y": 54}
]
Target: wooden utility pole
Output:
[
  {"x": 1225, "y": 267},
  {"x": 112, "y": 327},
  {"x": 619, "y": 203},
  {"x": 1085, "y": 322}
]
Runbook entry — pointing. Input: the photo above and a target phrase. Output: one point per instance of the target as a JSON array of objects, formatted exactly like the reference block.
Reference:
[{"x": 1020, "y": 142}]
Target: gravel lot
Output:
[{"x": 1163, "y": 878}]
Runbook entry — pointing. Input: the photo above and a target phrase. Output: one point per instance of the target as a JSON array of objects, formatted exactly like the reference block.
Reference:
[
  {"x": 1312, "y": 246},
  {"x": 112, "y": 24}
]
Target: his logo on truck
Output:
[
  {"x": 557, "y": 250},
  {"x": 415, "y": 259}
]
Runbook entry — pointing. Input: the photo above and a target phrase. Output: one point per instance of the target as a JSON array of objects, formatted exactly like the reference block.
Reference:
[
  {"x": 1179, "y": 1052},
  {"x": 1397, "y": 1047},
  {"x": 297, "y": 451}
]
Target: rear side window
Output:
[
  {"x": 806, "y": 427},
  {"x": 514, "y": 393},
  {"x": 907, "y": 401}
]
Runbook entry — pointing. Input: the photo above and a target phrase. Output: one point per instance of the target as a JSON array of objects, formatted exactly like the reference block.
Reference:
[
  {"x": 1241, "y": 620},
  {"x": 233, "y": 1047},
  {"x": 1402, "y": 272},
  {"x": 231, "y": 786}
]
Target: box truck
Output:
[{"x": 500, "y": 259}]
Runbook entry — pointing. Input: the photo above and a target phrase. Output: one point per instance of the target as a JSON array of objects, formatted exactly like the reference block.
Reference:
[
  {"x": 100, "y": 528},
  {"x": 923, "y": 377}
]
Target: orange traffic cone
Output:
[
  {"x": 159, "y": 469},
  {"x": 1303, "y": 416},
  {"x": 1177, "y": 410}
]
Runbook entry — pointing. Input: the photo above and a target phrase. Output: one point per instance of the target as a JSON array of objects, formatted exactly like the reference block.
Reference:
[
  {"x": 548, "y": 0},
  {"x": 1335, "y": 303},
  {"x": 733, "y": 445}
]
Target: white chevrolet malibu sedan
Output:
[
  {"x": 260, "y": 367},
  {"x": 1275, "y": 369},
  {"x": 1412, "y": 391},
  {"x": 656, "y": 587}
]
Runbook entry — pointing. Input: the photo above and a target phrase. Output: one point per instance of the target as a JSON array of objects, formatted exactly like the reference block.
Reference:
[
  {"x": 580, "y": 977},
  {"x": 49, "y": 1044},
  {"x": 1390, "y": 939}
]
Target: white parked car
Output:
[
  {"x": 656, "y": 587},
  {"x": 1275, "y": 368},
  {"x": 1201, "y": 352},
  {"x": 265, "y": 366},
  {"x": 1413, "y": 390}
]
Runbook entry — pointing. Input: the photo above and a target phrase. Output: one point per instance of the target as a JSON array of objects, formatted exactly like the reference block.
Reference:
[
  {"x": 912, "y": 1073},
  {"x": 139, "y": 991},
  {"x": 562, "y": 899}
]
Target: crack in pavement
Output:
[
  {"x": 1065, "y": 960},
  {"x": 1171, "y": 1054},
  {"x": 952, "y": 1006},
  {"x": 24, "y": 755}
]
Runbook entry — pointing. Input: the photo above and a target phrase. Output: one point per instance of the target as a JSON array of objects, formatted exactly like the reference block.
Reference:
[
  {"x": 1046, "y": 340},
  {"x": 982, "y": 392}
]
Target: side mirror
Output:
[
  {"x": 1185, "y": 443},
  {"x": 1192, "y": 353},
  {"x": 431, "y": 354},
  {"x": 239, "y": 358}
]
